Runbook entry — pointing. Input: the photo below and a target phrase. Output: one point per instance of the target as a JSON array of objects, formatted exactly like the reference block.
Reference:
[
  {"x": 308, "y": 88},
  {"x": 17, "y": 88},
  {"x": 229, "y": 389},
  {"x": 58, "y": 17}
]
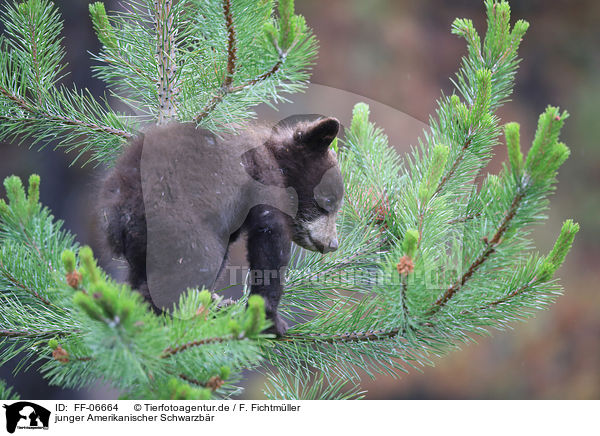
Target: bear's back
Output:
[{"x": 191, "y": 175}]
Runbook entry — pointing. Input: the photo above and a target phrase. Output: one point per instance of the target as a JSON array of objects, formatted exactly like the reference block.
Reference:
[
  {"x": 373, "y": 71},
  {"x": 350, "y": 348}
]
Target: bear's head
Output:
[{"x": 310, "y": 167}]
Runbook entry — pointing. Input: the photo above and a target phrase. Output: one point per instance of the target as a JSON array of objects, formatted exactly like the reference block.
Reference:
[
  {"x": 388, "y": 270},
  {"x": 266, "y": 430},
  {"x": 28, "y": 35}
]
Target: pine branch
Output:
[
  {"x": 171, "y": 351},
  {"x": 4, "y": 272},
  {"x": 213, "y": 384},
  {"x": 455, "y": 164},
  {"x": 288, "y": 38},
  {"x": 228, "y": 89},
  {"x": 36, "y": 62},
  {"x": 356, "y": 336},
  {"x": 34, "y": 334},
  {"x": 464, "y": 219},
  {"x": 61, "y": 120},
  {"x": 33, "y": 106},
  {"x": 524, "y": 288},
  {"x": 491, "y": 245},
  {"x": 231, "y": 42},
  {"x": 398, "y": 319},
  {"x": 165, "y": 58}
]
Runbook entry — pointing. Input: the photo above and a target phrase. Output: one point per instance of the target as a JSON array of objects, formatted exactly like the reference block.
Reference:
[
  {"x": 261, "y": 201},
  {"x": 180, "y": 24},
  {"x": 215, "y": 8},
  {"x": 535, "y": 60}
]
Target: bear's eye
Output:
[
  {"x": 326, "y": 203},
  {"x": 298, "y": 135}
]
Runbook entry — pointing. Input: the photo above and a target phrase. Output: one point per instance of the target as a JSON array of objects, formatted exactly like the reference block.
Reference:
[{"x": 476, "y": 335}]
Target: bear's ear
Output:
[{"x": 319, "y": 134}]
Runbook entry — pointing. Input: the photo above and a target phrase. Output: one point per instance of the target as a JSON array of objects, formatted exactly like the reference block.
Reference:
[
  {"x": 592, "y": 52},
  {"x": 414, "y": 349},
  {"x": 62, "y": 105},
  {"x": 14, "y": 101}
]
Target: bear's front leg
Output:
[{"x": 268, "y": 254}]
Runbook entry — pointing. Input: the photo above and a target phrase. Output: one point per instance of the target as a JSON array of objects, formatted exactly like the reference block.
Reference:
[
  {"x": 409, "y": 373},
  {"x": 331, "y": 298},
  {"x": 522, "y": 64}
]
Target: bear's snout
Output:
[{"x": 332, "y": 246}]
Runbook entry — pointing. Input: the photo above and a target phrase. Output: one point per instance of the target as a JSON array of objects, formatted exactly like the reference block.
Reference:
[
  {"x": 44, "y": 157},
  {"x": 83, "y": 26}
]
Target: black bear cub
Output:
[{"x": 179, "y": 196}]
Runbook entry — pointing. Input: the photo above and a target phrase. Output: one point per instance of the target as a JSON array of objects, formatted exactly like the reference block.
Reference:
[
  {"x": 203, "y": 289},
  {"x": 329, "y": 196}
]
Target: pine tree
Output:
[{"x": 427, "y": 256}]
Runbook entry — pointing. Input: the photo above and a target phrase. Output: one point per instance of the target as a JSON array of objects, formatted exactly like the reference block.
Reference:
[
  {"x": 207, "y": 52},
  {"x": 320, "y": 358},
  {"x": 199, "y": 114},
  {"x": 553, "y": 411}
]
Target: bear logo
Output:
[{"x": 26, "y": 415}]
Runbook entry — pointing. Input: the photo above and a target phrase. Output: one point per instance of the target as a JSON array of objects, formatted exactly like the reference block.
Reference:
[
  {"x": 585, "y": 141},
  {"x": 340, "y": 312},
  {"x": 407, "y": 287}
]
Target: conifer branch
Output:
[
  {"x": 192, "y": 380},
  {"x": 489, "y": 250},
  {"x": 36, "y": 63},
  {"x": 455, "y": 164},
  {"x": 291, "y": 35},
  {"x": 261, "y": 78},
  {"x": 31, "y": 334},
  {"x": 355, "y": 336},
  {"x": 171, "y": 351},
  {"x": 403, "y": 296},
  {"x": 165, "y": 57},
  {"x": 464, "y": 219},
  {"x": 231, "y": 43},
  {"x": 134, "y": 68},
  {"x": 62, "y": 120},
  {"x": 6, "y": 273},
  {"x": 512, "y": 294},
  {"x": 214, "y": 383},
  {"x": 228, "y": 89}
]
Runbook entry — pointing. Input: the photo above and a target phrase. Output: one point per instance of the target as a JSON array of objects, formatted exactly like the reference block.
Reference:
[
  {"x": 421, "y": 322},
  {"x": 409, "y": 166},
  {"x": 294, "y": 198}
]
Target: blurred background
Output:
[{"x": 401, "y": 54}]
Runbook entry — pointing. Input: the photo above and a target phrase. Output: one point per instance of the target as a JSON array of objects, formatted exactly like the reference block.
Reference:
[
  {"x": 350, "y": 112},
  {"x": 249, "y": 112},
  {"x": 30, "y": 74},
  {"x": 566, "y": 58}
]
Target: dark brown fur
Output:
[{"x": 201, "y": 192}]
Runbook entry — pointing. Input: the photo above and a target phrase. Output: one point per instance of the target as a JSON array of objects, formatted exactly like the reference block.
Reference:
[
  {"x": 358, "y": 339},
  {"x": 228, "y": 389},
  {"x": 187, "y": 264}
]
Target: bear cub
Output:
[{"x": 178, "y": 196}]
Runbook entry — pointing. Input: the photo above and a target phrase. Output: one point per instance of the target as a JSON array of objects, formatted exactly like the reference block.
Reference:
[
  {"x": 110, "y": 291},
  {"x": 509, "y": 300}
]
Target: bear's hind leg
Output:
[{"x": 179, "y": 258}]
